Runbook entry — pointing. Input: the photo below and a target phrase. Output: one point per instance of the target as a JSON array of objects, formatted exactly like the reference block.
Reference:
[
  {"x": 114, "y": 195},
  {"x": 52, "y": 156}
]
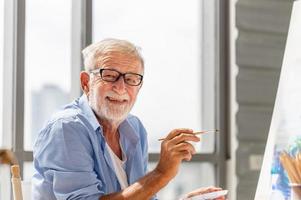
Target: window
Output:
[
  {"x": 1, "y": 68},
  {"x": 47, "y": 62},
  {"x": 171, "y": 44},
  {"x": 177, "y": 90},
  {"x": 38, "y": 77},
  {"x": 4, "y": 170},
  {"x": 47, "y": 37}
]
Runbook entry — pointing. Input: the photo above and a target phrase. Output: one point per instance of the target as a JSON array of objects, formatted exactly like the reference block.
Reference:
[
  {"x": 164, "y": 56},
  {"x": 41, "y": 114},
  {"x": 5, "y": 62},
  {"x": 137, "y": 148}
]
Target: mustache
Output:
[{"x": 113, "y": 95}]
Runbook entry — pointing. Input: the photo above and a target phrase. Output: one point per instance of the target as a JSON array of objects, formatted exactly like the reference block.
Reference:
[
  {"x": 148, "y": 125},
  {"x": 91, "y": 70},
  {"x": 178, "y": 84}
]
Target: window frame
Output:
[{"x": 81, "y": 35}]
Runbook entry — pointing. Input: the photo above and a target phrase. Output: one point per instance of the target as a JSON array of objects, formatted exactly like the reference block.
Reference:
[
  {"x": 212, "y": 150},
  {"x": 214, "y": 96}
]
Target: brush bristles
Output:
[{"x": 292, "y": 166}]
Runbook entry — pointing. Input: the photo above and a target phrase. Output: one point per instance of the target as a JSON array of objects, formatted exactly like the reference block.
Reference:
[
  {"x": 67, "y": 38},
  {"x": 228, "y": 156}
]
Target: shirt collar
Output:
[{"x": 88, "y": 112}]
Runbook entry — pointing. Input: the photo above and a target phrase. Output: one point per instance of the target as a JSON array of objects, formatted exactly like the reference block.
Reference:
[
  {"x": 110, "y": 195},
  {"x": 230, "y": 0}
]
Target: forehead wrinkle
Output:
[{"x": 119, "y": 59}]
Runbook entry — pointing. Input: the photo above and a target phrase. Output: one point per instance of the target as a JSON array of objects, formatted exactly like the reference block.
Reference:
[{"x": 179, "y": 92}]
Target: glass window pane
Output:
[
  {"x": 5, "y": 183},
  {"x": 170, "y": 38},
  {"x": 47, "y": 62},
  {"x": 1, "y": 67},
  {"x": 26, "y": 182},
  {"x": 27, "y": 171},
  {"x": 190, "y": 177}
]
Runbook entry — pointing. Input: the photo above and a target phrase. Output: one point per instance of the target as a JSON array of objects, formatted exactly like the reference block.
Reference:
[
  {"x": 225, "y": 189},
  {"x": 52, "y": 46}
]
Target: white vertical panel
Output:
[{"x": 286, "y": 120}]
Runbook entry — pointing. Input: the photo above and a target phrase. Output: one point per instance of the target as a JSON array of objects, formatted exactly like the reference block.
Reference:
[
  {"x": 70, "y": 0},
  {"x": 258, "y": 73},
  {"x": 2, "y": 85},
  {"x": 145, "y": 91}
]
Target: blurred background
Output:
[{"x": 210, "y": 64}]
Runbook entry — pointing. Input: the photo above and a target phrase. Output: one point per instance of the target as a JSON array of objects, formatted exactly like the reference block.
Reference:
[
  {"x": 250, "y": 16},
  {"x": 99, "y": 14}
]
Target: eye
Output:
[
  {"x": 109, "y": 75},
  {"x": 130, "y": 80}
]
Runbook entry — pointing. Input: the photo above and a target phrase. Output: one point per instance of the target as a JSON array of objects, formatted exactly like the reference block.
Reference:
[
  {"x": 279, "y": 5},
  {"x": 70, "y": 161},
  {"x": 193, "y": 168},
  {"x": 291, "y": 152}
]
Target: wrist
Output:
[{"x": 161, "y": 175}]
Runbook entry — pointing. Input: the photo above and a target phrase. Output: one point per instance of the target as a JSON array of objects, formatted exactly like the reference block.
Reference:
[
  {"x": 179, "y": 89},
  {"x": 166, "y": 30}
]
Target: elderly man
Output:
[{"x": 93, "y": 148}]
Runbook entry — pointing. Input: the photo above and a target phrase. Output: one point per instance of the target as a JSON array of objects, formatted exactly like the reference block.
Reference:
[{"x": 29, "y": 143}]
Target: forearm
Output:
[{"x": 144, "y": 188}]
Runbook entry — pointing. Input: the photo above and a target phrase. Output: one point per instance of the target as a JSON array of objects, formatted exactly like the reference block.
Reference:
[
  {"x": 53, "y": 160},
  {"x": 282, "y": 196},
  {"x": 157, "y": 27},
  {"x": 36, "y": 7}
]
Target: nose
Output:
[{"x": 119, "y": 86}]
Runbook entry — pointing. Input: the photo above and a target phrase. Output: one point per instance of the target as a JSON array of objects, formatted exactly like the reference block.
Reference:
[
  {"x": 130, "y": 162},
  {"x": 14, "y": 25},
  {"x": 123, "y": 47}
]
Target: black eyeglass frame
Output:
[{"x": 118, "y": 77}]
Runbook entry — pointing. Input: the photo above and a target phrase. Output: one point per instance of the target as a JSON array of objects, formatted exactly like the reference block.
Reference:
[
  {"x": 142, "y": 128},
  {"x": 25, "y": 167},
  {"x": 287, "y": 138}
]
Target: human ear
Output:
[{"x": 84, "y": 80}]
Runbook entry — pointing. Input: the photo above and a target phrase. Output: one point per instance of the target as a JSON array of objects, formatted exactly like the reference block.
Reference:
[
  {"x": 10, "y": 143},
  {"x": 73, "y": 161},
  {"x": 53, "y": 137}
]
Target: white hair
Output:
[{"x": 95, "y": 52}]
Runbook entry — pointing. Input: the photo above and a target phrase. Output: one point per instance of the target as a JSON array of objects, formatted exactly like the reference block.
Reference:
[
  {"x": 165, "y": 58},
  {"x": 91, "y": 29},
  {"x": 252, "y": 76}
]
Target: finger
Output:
[
  {"x": 185, "y": 155},
  {"x": 203, "y": 191},
  {"x": 176, "y": 132},
  {"x": 181, "y": 155},
  {"x": 210, "y": 189},
  {"x": 184, "y": 137},
  {"x": 184, "y": 146},
  {"x": 214, "y": 189},
  {"x": 198, "y": 192}
]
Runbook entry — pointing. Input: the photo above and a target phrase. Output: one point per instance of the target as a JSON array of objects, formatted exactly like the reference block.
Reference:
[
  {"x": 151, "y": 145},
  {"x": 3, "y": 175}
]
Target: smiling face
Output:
[{"x": 113, "y": 101}]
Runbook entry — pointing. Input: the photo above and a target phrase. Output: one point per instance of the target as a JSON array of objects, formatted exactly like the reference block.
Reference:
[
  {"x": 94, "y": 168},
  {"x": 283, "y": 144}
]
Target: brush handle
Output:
[
  {"x": 17, "y": 189},
  {"x": 197, "y": 133},
  {"x": 16, "y": 182}
]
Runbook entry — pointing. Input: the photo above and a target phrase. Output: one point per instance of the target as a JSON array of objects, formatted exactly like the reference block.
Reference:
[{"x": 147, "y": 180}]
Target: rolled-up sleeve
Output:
[{"x": 64, "y": 165}]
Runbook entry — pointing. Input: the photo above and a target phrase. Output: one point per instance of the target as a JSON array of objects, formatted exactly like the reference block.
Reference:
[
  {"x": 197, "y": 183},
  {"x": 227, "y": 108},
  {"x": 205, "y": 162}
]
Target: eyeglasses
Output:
[{"x": 112, "y": 75}]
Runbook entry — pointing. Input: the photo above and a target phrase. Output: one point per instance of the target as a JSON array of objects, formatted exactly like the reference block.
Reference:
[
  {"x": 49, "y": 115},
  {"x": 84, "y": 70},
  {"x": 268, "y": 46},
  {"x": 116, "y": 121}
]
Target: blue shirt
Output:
[{"x": 71, "y": 160}]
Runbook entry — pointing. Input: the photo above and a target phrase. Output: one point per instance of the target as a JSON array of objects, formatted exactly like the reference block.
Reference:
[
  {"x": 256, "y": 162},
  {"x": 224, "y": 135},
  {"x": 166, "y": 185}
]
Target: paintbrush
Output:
[{"x": 198, "y": 133}]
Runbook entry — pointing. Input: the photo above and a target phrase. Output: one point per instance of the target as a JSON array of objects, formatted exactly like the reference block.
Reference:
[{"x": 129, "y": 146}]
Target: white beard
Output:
[{"x": 108, "y": 110}]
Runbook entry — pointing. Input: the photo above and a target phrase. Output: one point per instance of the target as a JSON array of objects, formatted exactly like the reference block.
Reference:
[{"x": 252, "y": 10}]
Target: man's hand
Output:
[
  {"x": 174, "y": 149},
  {"x": 203, "y": 191}
]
